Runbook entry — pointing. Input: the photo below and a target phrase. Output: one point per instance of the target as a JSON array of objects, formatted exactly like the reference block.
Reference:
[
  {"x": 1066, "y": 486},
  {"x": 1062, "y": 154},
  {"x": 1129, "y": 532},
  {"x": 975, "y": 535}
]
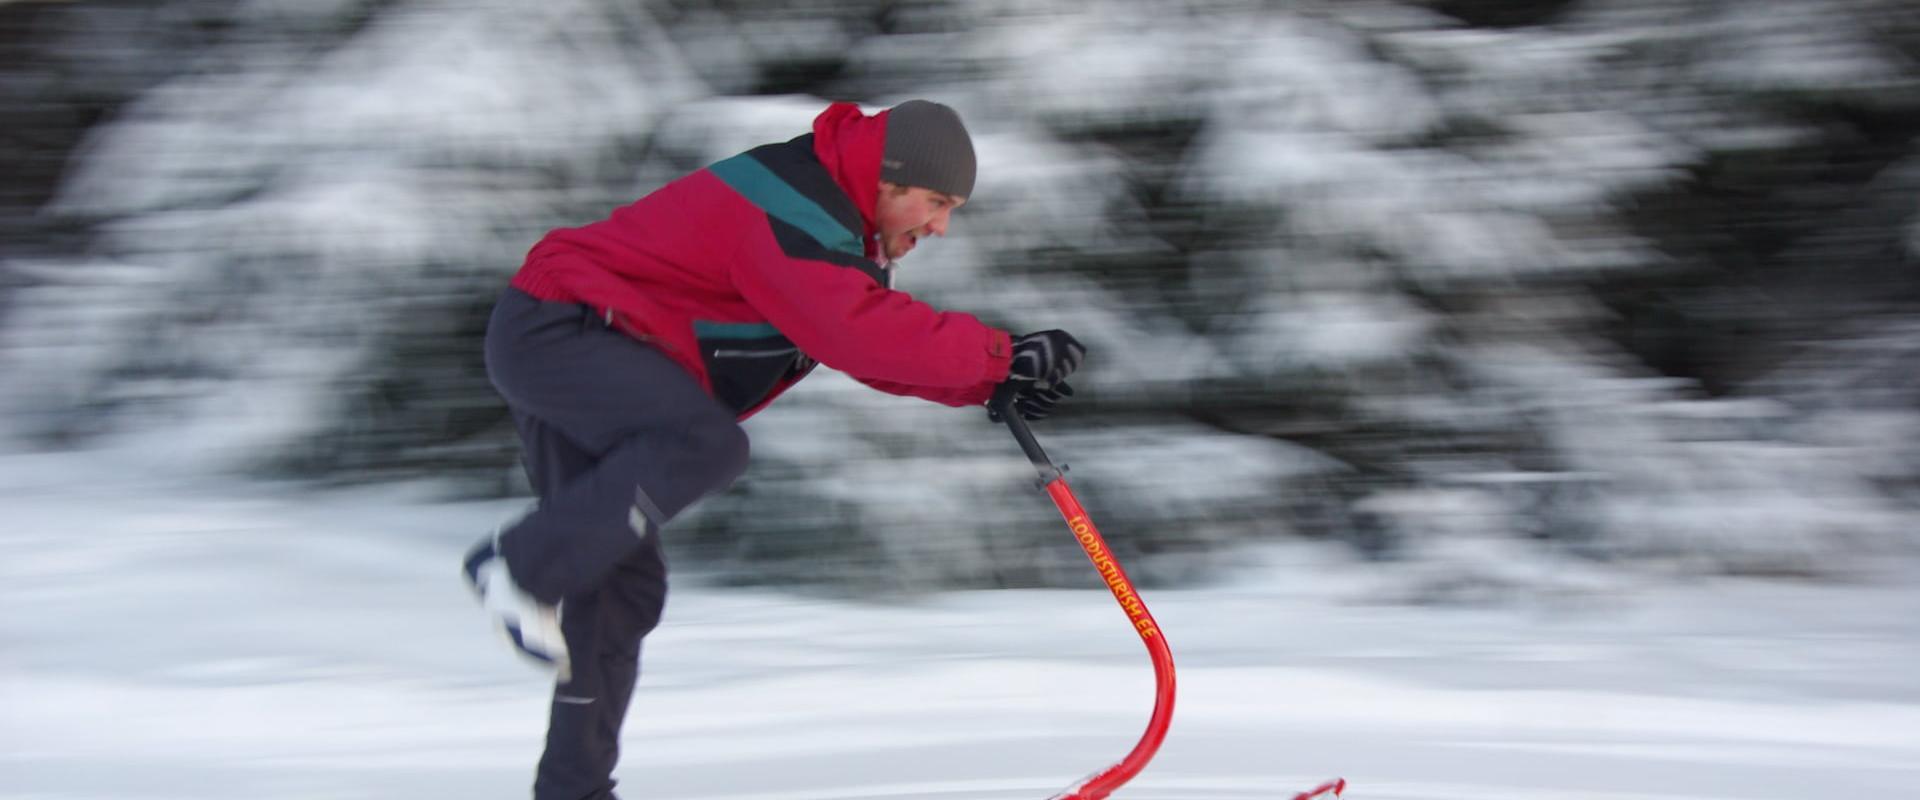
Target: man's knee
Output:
[
  {"x": 722, "y": 445},
  {"x": 704, "y": 455}
]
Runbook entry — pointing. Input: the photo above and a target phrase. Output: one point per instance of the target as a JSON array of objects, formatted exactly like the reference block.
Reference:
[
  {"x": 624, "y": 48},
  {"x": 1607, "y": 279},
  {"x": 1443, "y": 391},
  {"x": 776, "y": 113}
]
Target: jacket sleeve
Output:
[
  {"x": 845, "y": 319},
  {"x": 975, "y": 395}
]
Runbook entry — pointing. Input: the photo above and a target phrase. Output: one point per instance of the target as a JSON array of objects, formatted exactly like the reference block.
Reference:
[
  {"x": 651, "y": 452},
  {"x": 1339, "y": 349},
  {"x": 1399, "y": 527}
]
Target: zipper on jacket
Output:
[{"x": 754, "y": 353}]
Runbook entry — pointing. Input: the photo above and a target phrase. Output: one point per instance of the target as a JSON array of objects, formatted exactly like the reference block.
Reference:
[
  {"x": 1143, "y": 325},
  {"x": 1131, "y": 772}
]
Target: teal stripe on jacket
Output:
[
  {"x": 733, "y": 330},
  {"x": 761, "y": 187}
]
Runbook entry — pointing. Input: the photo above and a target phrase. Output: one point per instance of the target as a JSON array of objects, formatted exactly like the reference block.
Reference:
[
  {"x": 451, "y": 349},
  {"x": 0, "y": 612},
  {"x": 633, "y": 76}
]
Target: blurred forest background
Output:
[{"x": 1509, "y": 296}]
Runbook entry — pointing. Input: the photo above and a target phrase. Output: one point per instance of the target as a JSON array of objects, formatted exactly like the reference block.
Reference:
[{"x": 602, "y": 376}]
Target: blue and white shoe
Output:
[{"x": 532, "y": 626}]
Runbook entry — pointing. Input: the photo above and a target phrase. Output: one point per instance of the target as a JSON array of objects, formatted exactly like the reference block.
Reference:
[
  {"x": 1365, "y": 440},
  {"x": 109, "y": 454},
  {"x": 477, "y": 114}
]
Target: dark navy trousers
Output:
[{"x": 618, "y": 440}]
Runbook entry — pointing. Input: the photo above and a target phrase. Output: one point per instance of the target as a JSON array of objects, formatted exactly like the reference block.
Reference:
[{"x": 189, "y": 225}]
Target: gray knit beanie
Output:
[{"x": 928, "y": 147}]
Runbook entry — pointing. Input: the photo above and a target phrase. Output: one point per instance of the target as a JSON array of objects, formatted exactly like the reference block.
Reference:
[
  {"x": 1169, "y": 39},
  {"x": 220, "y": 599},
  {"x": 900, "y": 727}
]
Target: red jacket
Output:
[{"x": 750, "y": 270}]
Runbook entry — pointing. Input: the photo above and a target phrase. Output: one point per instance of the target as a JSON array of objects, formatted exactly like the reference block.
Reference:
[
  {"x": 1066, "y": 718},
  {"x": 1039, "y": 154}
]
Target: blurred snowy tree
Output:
[
  {"x": 302, "y": 209},
  {"x": 1624, "y": 278}
]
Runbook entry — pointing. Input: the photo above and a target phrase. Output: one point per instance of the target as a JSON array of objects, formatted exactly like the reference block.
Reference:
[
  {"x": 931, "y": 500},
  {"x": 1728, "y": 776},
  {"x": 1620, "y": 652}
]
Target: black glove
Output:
[
  {"x": 1045, "y": 358},
  {"x": 1033, "y": 403}
]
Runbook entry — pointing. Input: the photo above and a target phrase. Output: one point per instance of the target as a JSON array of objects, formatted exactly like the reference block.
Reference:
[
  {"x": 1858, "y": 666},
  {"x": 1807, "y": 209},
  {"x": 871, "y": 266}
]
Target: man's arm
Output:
[
  {"x": 841, "y": 316},
  {"x": 966, "y": 396}
]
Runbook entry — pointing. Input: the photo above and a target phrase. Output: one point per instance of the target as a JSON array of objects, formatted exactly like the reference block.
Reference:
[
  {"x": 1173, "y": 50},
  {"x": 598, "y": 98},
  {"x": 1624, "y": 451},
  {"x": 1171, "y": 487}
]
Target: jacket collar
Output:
[{"x": 850, "y": 145}]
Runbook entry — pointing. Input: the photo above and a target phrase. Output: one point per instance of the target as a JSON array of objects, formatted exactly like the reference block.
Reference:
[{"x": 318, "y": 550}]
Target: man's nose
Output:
[{"x": 938, "y": 225}]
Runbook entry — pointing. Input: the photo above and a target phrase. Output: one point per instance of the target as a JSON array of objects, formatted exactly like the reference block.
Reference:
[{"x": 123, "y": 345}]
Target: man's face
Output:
[{"x": 907, "y": 213}]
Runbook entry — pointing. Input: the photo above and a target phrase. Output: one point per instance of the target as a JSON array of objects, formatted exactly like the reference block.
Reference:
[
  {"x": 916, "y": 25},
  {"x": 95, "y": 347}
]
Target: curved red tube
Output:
[{"x": 1106, "y": 781}]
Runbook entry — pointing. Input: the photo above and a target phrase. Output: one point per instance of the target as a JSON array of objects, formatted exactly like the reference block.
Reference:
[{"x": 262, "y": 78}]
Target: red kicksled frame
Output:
[
  {"x": 1104, "y": 782},
  {"x": 1053, "y": 480}
]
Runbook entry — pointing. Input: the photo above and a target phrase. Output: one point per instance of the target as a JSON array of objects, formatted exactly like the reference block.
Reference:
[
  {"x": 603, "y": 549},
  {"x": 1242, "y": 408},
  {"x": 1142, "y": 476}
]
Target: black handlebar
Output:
[{"x": 1002, "y": 403}]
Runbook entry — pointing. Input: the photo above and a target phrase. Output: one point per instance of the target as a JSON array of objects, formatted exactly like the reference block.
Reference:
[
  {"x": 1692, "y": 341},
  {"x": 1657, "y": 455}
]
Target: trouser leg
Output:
[
  {"x": 604, "y": 627},
  {"x": 618, "y": 440},
  {"x": 657, "y": 441}
]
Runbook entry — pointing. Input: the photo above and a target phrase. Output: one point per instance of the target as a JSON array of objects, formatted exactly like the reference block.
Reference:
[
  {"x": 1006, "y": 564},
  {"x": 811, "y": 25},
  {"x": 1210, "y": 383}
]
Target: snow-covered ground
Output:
[{"x": 174, "y": 638}]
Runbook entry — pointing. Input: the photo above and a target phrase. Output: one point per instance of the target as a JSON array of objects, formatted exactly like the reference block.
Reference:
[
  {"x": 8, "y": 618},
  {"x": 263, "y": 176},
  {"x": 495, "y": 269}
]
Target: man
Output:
[{"x": 630, "y": 349}]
